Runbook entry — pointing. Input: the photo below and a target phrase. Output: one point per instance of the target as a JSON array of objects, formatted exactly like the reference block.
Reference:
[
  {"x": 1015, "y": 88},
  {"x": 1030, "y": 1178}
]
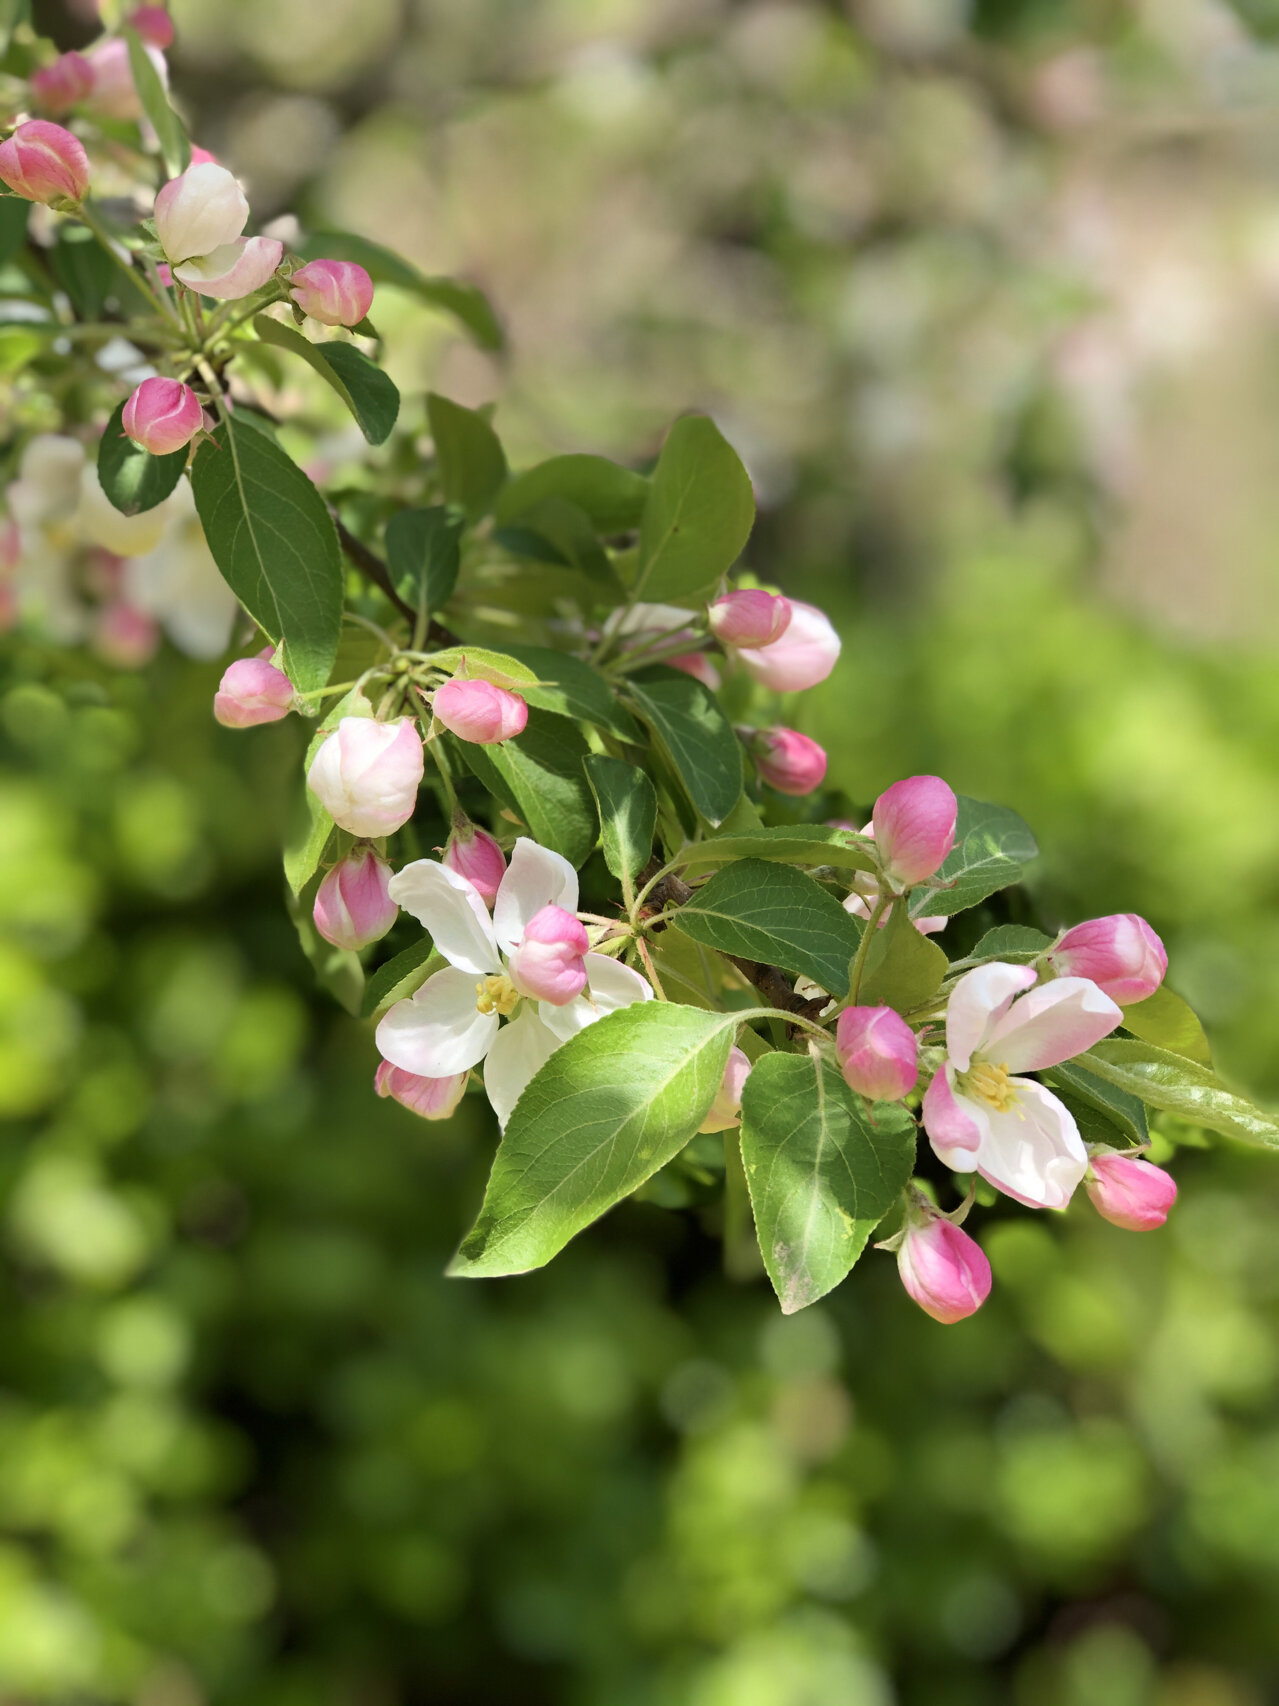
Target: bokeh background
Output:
[{"x": 987, "y": 295}]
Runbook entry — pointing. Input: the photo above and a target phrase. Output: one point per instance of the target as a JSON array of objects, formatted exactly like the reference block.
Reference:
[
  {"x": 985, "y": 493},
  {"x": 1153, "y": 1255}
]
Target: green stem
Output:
[
  {"x": 863, "y": 947},
  {"x": 446, "y": 776}
]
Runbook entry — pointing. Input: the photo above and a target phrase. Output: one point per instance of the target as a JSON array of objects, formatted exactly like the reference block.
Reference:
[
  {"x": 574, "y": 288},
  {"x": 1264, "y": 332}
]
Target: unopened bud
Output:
[
  {"x": 878, "y": 1053},
  {"x": 43, "y": 162},
  {"x": 202, "y": 210},
  {"x": 252, "y": 691},
  {"x": 58, "y": 87},
  {"x": 154, "y": 25},
  {"x": 480, "y": 712},
  {"x": 943, "y": 1269},
  {"x": 788, "y": 760},
  {"x": 352, "y": 905},
  {"x": 474, "y": 854},
  {"x": 162, "y": 416},
  {"x": 114, "y": 93},
  {"x": 805, "y": 653},
  {"x": 549, "y": 963},
  {"x": 914, "y": 823},
  {"x": 432, "y": 1098},
  {"x": 366, "y": 775},
  {"x": 336, "y": 293},
  {"x": 1129, "y": 1192},
  {"x": 1120, "y": 954},
  {"x": 726, "y": 1110},
  {"x": 749, "y": 617}
]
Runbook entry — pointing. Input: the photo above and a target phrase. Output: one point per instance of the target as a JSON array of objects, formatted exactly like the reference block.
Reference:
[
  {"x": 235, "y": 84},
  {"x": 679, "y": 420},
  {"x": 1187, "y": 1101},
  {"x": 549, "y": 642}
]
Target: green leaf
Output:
[
  {"x": 132, "y": 478},
  {"x": 776, "y": 915},
  {"x": 694, "y": 735},
  {"x": 1120, "y": 1106},
  {"x": 556, "y": 531},
  {"x": 573, "y": 689},
  {"x": 465, "y": 302},
  {"x": 539, "y": 775},
  {"x": 1169, "y": 1022},
  {"x": 603, "y": 1114},
  {"x": 361, "y": 384},
  {"x": 1094, "y": 1126},
  {"x": 14, "y": 214},
  {"x": 174, "y": 144},
  {"x": 612, "y": 497},
  {"x": 627, "y": 804},
  {"x": 423, "y": 553},
  {"x": 991, "y": 845},
  {"x": 482, "y": 664},
  {"x": 12, "y": 13},
  {"x": 790, "y": 844},
  {"x": 1009, "y": 942},
  {"x": 86, "y": 272},
  {"x": 822, "y": 1171},
  {"x": 698, "y": 514},
  {"x": 399, "y": 977},
  {"x": 276, "y": 546},
  {"x": 1182, "y": 1087},
  {"x": 903, "y": 968},
  {"x": 472, "y": 461}
]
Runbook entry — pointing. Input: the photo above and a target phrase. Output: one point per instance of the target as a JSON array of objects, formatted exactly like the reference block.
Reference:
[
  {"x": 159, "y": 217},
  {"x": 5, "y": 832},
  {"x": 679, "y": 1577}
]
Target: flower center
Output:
[
  {"x": 991, "y": 1082},
  {"x": 496, "y": 994}
]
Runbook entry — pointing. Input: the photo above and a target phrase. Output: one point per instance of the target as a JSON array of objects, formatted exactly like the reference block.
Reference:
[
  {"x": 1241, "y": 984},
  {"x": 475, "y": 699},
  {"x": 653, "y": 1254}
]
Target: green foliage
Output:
[
  {"x": 627, "y": 805},
  {"x": 1119, "y": 1107},
  {"x": 611, "y": 498},
  {"x": 991, "y": 845},
  {"x": 1168, "y": 1021},
  {"x": 367, "y": 392},
  {"x": 175, "y": 146},
  {"x": 903, "y": 968},
  {"x": 539, "y": 776},
  {"x": 472, "y": 461},
  {"x": 132, "y": 478},
  {"x": 776, "y": 915},
  {"x": 465, "y": 302},
  {"x": 695, "y": 737},
  {"x": 697, "y": 516},
  {"x": 1180, "y": 1086},
  {"x": 791, "y": 844},
  {"x": 423, "y": 553}
]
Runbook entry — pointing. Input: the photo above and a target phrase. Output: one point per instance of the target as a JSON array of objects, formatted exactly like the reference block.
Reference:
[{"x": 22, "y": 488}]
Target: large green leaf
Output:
[
  {"x": 472, "y": 461},
  {"x": 368, "y": 393},
  {"x": 423, "y": 554},
  {"x": 627, "y": 805},
  {"x": 574, "y": 689},
  {"x": 776, "y": 915},
  {"x": 465, "y": 302},
  {"x": 903, "y": 968},
  {"x": 1183, "y": 1087},
  {"x": 822, "y": 1171},
  {"x": 1169, "y": 1022},
  {"x": 612, "y": 497},
  {"x": 174, "y": 144},
  {"x": 276, "y": 545},
  {"x": 131, "y": 477},
  {"x": 790, "y": 844},
  {"x": 698, "y": 514},
  {"x": 539, "y": 775},
  {"x": 1119, "y": 1106},
  {"x": 991, "y": 845},
  {"x": 694, "y": 735},
  {"x": 556, "y": 531},
  {"x": 603, "y": 1114}
]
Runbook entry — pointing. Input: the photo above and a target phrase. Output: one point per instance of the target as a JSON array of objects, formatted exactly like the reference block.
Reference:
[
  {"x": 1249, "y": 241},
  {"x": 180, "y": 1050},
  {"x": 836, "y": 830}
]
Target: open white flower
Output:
[
  {"x": 1012, "y": 1130},
  {"x": 454, "y": 1021}
]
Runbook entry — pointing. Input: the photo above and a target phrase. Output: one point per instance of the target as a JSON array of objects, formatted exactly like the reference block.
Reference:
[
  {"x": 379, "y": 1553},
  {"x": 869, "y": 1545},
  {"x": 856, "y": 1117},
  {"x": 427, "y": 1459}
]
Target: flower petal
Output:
[
  {"x": 977, "y": 1003},
  {"x": 438, "y": 1031},
  {"x": 535, "y": 878},
  {"x": 1033, "y": 1152},
  {"x": 517, "y": 1052},
  {"x": 608, "y": 987},
  {"x": 1052, "y": 1023},
  {"x": 955, "y": 1125},
  {"x": 452, "y": 910}
]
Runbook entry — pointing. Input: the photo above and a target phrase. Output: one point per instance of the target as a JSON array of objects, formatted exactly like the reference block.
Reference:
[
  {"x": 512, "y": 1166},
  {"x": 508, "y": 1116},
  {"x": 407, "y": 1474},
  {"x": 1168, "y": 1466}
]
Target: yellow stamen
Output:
[
  {"x": 991, "y": 1082},
  {"x": 496, "y": 994}
]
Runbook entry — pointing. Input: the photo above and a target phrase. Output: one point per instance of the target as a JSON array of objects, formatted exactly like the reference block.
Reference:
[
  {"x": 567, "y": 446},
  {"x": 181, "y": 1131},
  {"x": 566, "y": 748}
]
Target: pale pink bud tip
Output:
[
  {"x": 154, "y": 25},
  {"x": 877, "y": 1052},
  {"x": 549, "y": 963},
  {"x": 337, "y": 293},
  {"x": 1129, "y": 1192},
  {"x": 162, "y": 416},
  {"x": 432, "y": 1098},
  {"x": 480, "y": 712},
  {"x": 944, "y": 1270},
  {"x": 353, "y": 906},
  {"x": 1120, "y": 954},
  {"x": 474, "y": 854},
  {"x": 44, "y": 162},
  {"x": 749, "y": 617},
  {"x": 252, "y": 691},
  {"x": 60, "y": 86},
  {"x": 202, "y": 210},
  {"x": 726, "y": 1109},
  {"x": 366, "y": 775},
  {"x": 788, "y": 760},
  {"x": 914, "y": 825},
  {"x": 803, "y": 655}
]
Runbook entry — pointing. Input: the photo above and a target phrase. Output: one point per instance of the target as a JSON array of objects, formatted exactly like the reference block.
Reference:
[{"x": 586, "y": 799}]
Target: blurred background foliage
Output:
[{"x": 986, "y": 294}]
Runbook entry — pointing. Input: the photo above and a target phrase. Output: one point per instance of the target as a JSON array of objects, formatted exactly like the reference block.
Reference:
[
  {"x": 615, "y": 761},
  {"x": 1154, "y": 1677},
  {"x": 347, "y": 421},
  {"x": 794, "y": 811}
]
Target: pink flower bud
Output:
[
  {"x": 114, "y": 93},
  {"x": 202, "y": 210},
  {"x": 914, "y": 823},
  {"x": 336, "y": 293},
  {"x": 549, "y": 963},
  {"x": 473, "y": 854},
  {"x": 432, "y": 1098},
  {"x": 804, "y": 655},
  {"x": 944, "y": 1270},
  {"x": 480, "y": 712},
  {"x": 877, "y": 1052},
  {"x": 1129, "y": 1192},
  {"x": 366, "y": 775},
  {"x": 43, "y": 162},
  {"x": 233, "y": 270},
  {"x": 749, "y": 617},
  {"x": 154, "y": 25},
  {"x": 726, "y": 1109},
  {"x": 252, "y": 691},
  {"x": 162, "y": 416},
  {"x": 1120, "y": 954},
  {"x": 787, "y": 760},
  {"x": 125, "y": 636},
  {"x": 58, "y": 87},
  {"x": 352, "y": 905},
  {"x": 699, "y": 666}
]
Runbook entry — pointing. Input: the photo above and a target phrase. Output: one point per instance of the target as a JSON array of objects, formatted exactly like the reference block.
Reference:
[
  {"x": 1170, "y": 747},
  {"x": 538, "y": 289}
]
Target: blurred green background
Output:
[{"x": 987, "y": 295}]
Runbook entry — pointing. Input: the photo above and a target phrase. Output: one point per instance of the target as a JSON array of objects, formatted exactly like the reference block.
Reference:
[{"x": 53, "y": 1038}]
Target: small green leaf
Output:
[
  {"x": 790, "y": 844},
  {"x": 12, "y": 13},
  {"x": 423, "y": 553},
  {"x": 172, "y": 137},
  {"x": 399, "y": 977},
  {"x": 1120, "y": 1107},
  {"x": 1169, "y": 1022},
  {"x": 903, "y": 968},
  {"x": 697, "y": 516},
  {"x": 472, "y": 461},
  {"x": 695, "y": 736},
  {"x": 627, "y": 806},
  {"x": 367, "y": 392},
  {"x": 603, "y": 1114},
  {"x": 1094, "y": 1125},
  {"x": 481, "y": 664},
  {"x": 556, "y": 531},
  {"x": 991, "y": 845},
  {"x": 1012, "y": 943},
  {"x": 465, "y": 302},
  {"x": 822, "y": 1170},
  {"x": 612, "y": 497},
  {"x": 131, "y": 477},
  {"x": 1182, "y": 1087},
  {"x": 539, "y": 775},
  {"x": 777, "y": 916},
  {"x": 573, "y": 689}
]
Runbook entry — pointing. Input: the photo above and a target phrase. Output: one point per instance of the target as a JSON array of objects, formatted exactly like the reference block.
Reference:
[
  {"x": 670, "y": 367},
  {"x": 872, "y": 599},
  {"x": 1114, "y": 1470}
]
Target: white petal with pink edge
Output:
[
  {"x": 1052, "y": 1023},
  {"x": 977, "y": 1003},
  {"x": 1033, "y": 1152},
  {"x": 516, "y": 1054},
  {"x": 956, "y": 1125}
]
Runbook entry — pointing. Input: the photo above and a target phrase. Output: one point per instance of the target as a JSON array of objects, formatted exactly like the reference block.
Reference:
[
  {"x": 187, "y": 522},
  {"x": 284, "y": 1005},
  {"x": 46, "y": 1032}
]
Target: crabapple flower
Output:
[
  {"x": 153, "y": 24},
  {"x": 201, "y": 210},
  {"x": 336, "y": 293},
  {"x": 1129, "y": 1192},
  {"x": 480, "y": 712},
  {"x": 787, "y": 760},
  {"x": 877, "y": 1052},
  {"x": 233, "y": 270},
  {"x": 432, "y": 1098},
  {"x": 162, "y": 415},
  {"x": 453, "y": 1022},
  {"x": 943, "y": 1269},
  {"x": 726, "y": 1110},
  {"x": 252, "y": 691},
  {"x": 58, "y": 87},
  {"x": 352, "y": 906},
  {"x": 366, "y": 775},
  {"x": 804, "y": 654},
  {"x": 43, "y": 162},
  {"x": 914, "y": 824},
  {"x": 980, "y": 1115},
  {"x": 474, "y": 854},
  {"x": 1121, "y": 954},
  {"x": 749, "y": 617},
  {"x": 550, "y": 962}
]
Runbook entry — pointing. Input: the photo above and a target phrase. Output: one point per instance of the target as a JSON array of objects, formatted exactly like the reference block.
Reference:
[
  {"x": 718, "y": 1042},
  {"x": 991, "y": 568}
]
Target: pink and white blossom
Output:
[
  {"x": 726, "y": 1110},
  {"x": 878, "y": 1053},
  {"x": 252, "y": 691},
  {"x": 352, "y": 905},
  {"x": 201, "y": 210},
  {"x": 749, "y": 617},
  {"x": 367, "y": 773},
  {"x": 914, "y": 824},
  {"x": 943, "y": 1269},
  {"x": 479, "y": 711},
  {"x": 1120, "y": 953},
  {"x": 431, "y": 1098},
  {"x": 43, "y": 162},
  {"x": 805, "y": 653},
  {"x": 336, "y": 293},
  {"x": 234, "y": 270},
  {"x": 1128, "y": 1191}
]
